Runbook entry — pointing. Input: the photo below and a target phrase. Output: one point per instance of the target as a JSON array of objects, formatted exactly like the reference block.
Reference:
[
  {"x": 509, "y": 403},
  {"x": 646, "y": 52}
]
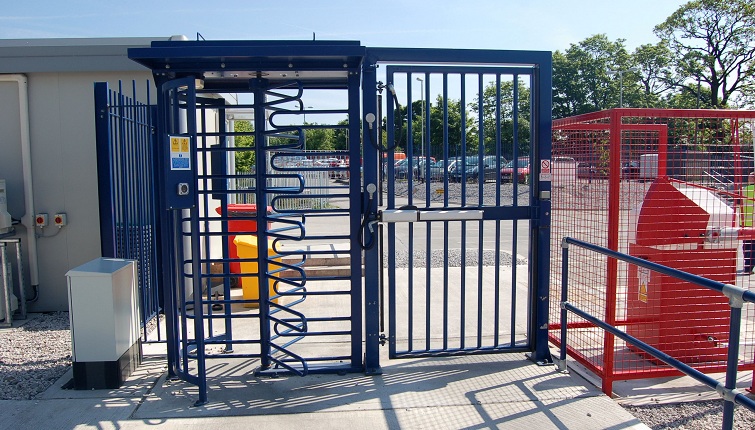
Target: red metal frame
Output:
[{"x": 708, "y": 150}]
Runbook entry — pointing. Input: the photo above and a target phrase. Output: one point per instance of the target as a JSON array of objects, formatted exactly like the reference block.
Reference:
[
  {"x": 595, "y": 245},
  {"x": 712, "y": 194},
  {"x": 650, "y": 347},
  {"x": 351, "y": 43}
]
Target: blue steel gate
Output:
[
  {"x": 462, "y": 236},
  {"x": 200, "y": 183}
]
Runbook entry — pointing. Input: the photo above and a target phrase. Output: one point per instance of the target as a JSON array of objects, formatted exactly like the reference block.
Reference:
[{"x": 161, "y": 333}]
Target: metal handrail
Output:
[{"x": 737, "y": 297}]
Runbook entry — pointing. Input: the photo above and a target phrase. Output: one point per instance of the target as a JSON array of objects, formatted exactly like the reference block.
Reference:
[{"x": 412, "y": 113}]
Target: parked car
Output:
[
  {"x": 471, "y": 165},
  {"x": 630, "y": 170},
  {"x": 437, "y": 170},
  {"x": 402, "y": 170},
  {"x": 522, "y": 170},
  {"x": 395, "y": 163}
]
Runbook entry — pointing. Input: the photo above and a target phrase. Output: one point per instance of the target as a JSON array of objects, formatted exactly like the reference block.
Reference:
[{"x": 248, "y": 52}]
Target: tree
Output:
[
  {"x": 435, "y": 133},
  {"x": 568, "y": 98},
  {"x": 506, "y": 117},
  {"x": 455, "y": 129},
  {"x": 320, "y": 139},
  {"x": 341, "y": 136},
  {"x": 245, "y": 157},
  {"x": 714, "y": 42},
  {"x": 581, "y": 78},
  {"x": 654, "y": 66}
]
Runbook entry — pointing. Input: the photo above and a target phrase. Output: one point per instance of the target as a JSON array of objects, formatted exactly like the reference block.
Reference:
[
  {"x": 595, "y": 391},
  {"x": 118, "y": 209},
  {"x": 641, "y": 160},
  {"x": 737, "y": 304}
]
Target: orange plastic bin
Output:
[{"x": 243, "y": 225}]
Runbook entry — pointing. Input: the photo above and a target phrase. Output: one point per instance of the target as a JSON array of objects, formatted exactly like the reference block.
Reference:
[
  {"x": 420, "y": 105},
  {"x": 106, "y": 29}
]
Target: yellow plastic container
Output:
[{"x": 247, "y": 247}]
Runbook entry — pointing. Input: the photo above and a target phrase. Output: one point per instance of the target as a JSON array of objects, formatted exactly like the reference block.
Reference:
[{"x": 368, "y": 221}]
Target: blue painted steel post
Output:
[
  {"x": 165, "y": 225},
  {"x": 541, "y": 198},
  {"x": 371, "y": 258},
  {"x": 104, "y": 170}
]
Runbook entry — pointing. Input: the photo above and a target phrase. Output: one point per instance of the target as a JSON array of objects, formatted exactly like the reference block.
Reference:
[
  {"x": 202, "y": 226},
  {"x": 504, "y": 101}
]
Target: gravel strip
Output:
[
  {"x": 438, "y": 258},
  {"x": 34, "y": 355},
  {"x": 696, "y": 415}
]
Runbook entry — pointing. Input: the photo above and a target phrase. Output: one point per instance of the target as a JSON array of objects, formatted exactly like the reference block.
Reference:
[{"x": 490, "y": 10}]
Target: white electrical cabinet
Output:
[{"x": 103, "y": 301}]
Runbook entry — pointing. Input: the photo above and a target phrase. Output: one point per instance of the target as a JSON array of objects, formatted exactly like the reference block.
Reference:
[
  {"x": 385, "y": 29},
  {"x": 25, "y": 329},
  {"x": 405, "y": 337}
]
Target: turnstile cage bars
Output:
[{"x": 619, "y": 154}]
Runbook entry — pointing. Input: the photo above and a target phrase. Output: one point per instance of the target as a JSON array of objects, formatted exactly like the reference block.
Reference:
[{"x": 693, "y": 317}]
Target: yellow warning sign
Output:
[
  {"x": 644, "y": 279},
  {"x": 643, "y": 295},
  {"x": 180, "y": 156}
]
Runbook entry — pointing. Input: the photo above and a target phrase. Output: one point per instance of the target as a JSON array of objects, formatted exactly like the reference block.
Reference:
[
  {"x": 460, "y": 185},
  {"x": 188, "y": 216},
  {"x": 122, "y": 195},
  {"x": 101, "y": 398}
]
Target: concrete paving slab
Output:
[
  {"x": 503, "y": 390},
  {"x": 482, "y": 391},
  {"x": 678, "y": 389},
  {"x": 54, "y": 414},
  {"x": 654, "y": 391}
]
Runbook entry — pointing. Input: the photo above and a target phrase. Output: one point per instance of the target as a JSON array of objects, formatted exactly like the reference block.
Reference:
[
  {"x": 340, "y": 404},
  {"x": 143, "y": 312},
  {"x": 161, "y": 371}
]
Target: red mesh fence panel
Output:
[{"x": 663, "y": 185}]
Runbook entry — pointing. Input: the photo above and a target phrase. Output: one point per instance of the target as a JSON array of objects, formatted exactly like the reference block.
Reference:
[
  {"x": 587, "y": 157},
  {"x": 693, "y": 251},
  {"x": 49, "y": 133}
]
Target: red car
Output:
[{"x": 522, "y": 170}]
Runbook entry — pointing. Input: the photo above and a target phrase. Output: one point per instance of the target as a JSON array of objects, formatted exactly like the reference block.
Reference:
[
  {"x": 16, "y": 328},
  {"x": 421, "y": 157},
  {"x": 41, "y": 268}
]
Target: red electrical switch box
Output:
[
  {"x": 40, "y": 220},
  {"x": 60, "y": 219}
]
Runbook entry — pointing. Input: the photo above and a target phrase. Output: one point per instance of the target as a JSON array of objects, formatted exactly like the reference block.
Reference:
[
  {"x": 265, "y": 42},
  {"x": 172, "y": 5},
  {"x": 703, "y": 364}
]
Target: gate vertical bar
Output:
[
  {"x": 445, "y": 204},
  {"x": 542, "y": 79},
  {"x": 428, "y": 227},
  {"x": 463, "y": 180},
  {"x": 356, "y": 152},
  {"x": 392, "y": 139},
  {"x": 371, "y": 165},
  {"x": 410, "y": 202},
  {"x": 259, "y": 87},
  {"x": 480, "y": 200},
  {"x": 199, "y": 329},
  {"x": 515, "y": 200}
]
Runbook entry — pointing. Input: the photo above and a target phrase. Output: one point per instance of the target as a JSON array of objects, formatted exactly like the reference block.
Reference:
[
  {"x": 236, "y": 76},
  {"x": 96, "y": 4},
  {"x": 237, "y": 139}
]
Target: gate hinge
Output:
[{"x": 383, "y": 339}]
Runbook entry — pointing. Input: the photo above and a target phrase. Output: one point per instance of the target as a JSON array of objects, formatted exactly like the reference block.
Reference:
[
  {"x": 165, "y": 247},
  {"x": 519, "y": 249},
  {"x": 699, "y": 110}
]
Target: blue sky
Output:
[{"x": 504, "y": 24}]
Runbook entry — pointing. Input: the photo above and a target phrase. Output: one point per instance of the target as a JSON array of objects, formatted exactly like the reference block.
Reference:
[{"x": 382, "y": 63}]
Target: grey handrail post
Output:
[{"x": 735, "y": 323}]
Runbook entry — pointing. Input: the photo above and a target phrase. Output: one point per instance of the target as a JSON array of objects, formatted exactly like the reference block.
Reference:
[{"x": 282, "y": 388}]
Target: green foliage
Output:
[
  {"x": 713, "y": 42},
  {"x": 505, "y": 117},
  {"x": 705, "y": 59},
  {"x": 320, "y": 139},
  {"x": 458, "y": 137},
  {"x": 244, "y": 157},
  {"x": 582, "y": 78},
  {"x": 340, "y": 138},
  {"x": 653, "y": 63}
]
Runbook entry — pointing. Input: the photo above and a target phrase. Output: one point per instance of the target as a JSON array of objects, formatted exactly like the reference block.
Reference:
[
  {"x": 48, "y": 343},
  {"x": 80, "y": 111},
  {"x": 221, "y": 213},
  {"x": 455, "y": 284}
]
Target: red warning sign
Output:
[{"x": 545, "y": 171}]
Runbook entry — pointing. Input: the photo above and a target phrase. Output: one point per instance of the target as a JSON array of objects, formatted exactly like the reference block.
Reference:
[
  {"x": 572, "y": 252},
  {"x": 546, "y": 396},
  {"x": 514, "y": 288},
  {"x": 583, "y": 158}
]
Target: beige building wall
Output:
[{"x": 63, "y": 151}]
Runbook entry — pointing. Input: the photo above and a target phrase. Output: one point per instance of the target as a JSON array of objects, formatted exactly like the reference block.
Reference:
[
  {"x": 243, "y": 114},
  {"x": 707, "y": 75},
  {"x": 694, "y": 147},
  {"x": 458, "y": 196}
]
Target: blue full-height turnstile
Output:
[{"x": 463, "y": 256}]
